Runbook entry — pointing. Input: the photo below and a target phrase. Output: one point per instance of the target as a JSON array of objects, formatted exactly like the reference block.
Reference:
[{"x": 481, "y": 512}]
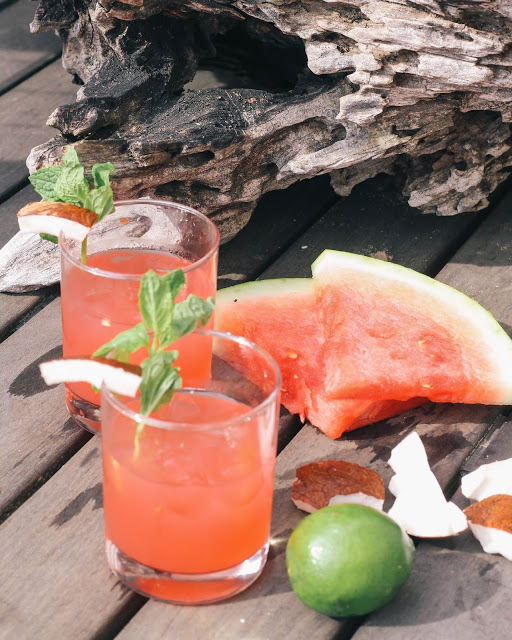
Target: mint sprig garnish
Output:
[
  {"x": 67, "y": 183},
  {"x": 163, "y": 322}
]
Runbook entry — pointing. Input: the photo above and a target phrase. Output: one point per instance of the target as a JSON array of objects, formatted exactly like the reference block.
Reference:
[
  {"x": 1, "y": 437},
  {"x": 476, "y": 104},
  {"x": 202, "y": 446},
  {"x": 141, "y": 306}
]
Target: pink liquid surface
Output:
[
  {"x": 96, "y": 308},
  {"x": 190, "y": 501}
]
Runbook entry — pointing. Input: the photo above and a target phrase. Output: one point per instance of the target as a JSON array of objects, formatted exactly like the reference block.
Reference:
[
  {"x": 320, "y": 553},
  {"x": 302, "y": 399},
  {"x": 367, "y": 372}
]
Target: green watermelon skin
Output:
[{"x": 365, "y": 340}]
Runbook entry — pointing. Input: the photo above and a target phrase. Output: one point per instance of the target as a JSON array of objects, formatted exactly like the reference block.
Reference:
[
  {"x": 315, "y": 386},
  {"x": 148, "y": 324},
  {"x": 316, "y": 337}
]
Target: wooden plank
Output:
[
  {"x": 258, "y": 612},
  {"x": 37, "y": 437},
  {"x": 450, "y": 432},
  {"x": 43, "y": 594},
  {"x": 279, "y": 218},
  {"x": 23, "y": 113},
  {"x": 452, "y": 580},
  {"x": 23, "y": 52},
  {"x": 374, "y": 221}
]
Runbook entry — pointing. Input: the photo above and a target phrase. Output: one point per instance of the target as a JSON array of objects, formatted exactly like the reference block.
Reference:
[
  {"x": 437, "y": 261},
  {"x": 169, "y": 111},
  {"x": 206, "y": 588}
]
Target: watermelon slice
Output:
[{"x": 365, "y": 340}]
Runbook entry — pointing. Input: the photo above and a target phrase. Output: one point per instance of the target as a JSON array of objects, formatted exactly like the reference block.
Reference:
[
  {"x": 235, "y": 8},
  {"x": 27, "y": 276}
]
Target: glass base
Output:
[
  {"x": 185, "y": 588},
  {"x": 83, "y": 412}
]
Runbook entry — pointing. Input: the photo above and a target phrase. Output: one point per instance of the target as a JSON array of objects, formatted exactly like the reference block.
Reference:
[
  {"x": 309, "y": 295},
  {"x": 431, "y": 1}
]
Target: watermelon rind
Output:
[
  {"x": 256, "y": 288},
  {"x": 466, "y": 319}
]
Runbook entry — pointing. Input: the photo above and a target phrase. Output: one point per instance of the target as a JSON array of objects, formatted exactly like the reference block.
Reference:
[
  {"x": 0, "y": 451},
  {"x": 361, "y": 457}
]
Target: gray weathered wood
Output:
[
  {"x": 22, "y": 120},
  {"x": 452, "y": 581},
  {"x": 45, "y": 590},
  {"x": 37, "y": 436},
  {"x": 450, "y": 432},
  {"x": 14, "y": 307},
  {"x": 22, "y": 53}
]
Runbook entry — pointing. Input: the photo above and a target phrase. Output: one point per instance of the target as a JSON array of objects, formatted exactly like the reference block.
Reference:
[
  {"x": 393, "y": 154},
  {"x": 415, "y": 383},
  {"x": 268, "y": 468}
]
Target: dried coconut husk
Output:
[
  {"x": 326, "y": 482},
  {"x": 494, "y": 511},
  {"x": 490, "y": 520}
]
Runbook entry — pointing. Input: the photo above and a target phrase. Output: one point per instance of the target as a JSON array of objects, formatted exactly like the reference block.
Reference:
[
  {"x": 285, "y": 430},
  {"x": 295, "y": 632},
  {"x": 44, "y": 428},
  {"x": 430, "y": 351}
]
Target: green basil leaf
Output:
[
  {"x": 43, "y": 181},
  {"x": 159, "y": 380},
  {"x": 101, "y": 172},
  {"x": 187, "y": 316},
  {"x": 100, "y": 200},
  {"x": 175, "y": 280},
  {"x": 156, "y": 302},
  {"x": 48, "y": 236},
  {"x": 125, "y": 343},
  {"x": 72, "y": 185}
]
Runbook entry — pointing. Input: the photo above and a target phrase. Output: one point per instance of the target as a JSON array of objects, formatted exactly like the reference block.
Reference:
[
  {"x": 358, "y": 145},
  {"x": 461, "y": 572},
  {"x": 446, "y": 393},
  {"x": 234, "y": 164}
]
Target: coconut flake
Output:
[
  {"x": 54, "y": 217},
  {"x": 117, "y": 376},
  {"x": 420, "y": 506},
  {"x": 490, "y": 520},
  {"x": 327, "y": 482},
  {"x": 488, "y": 480}
]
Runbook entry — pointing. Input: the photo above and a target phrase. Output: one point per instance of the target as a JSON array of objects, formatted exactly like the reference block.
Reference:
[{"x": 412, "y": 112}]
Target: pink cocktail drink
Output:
[
  {"x": 100, "y": 298},
  {"x": 188, "y": 509}
]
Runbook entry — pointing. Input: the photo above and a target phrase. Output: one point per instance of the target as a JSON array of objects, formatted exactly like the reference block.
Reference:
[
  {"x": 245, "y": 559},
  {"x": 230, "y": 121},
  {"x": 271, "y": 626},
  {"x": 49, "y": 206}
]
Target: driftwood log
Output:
[{"x": 417, "y": 88}]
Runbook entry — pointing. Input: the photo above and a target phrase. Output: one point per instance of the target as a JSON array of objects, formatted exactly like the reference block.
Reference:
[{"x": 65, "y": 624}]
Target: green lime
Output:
[{"x": 348, "y": 560}]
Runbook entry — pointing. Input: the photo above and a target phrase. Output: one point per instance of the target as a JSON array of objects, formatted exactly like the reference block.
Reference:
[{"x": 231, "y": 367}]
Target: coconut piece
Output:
[
  {"x": 54, "y": 217},
  {"x": 490, "y": 520},
  {"x": 119, "y": 377},
  {"x": 327, "y": 482},
  {"x": 488, "y": 480},
  {"x": 420, "y": 506}
]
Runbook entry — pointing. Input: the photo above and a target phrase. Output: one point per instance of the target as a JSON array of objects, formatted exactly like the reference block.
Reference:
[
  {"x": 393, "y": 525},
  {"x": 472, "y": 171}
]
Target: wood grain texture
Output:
[
  {"x": 22, "y": 53},
  {"x": 455, "y": 589},
  {"x": 23, "y": 113},
  {"x": 450, "y": 432},
  {"x": 37, "y": 436},
  {"x": 57, "y": 583}
]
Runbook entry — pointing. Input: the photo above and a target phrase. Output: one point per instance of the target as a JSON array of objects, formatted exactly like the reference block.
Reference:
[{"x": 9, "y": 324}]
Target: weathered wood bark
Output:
[{"x": 421, "y": 89}]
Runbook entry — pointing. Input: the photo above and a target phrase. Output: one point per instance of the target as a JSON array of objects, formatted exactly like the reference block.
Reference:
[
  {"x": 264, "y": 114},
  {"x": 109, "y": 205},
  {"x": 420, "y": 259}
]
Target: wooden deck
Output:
[{"x": 55, "y": 579}]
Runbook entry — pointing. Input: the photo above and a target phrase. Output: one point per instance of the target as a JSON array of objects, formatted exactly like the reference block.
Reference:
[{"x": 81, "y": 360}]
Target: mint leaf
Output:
[
  {"x": 156, "y": 301},
  {"x": 70, "y": 157},
  {"x": 159, "y": 380},
  {"x": 101, "y": 201},
  {"x": 125, "y": 343},
  {"x": 72, "y": 186},
  {"x": 100, "y": 173},
  {"x": 48, "y": 236},
  {"x": 187, "y": 316},
  {"x": 43, "y": 181}
]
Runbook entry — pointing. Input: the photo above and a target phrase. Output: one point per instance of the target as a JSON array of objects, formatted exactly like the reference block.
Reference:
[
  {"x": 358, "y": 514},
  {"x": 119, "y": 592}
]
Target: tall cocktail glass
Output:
[
  {"x": 187, "y": 504},
  {"x": 100, "y": 298}
]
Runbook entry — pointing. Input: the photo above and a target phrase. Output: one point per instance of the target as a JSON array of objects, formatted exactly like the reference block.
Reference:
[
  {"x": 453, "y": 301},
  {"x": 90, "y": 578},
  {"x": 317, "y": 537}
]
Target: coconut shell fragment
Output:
[
  {"x": 327, "y": 482},
  {"x": 54, "y": 217},
  {"x": 490, "y": 520}
]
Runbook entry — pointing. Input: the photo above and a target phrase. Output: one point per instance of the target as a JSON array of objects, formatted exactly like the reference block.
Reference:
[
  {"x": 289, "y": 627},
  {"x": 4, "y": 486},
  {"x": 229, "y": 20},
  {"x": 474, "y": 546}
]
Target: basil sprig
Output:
[
  {"x": 163, "y": 322},
  {"x": 67, "y": 183}
]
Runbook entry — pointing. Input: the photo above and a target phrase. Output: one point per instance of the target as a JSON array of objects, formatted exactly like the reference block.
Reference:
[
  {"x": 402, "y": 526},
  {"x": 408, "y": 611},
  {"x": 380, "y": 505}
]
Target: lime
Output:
[{"x": 348, "y": 559}]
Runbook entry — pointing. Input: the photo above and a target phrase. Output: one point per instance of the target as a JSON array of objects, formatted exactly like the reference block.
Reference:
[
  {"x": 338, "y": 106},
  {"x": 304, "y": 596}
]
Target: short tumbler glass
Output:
[
  {"x": 187, "y": 502},
  {"x": 100, "y": 298}
]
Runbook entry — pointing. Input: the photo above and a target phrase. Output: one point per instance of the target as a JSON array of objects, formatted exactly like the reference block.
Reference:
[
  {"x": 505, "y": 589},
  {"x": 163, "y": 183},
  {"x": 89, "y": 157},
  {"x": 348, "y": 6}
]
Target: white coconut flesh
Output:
[
  {"x": 488, "y": 480},
  {"x": 420, "y": 507},
  {"x": 53, "y": 225},
  {"x": 493, "y": 540},
  {"x": 95, "y": 372},
  {"x": 489, "y": 348}
]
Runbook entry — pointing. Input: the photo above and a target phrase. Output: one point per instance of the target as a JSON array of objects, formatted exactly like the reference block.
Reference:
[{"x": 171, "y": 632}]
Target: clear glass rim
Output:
[
  {"x": 169, "y": 425},
  {"x": 127, "y": 276}
]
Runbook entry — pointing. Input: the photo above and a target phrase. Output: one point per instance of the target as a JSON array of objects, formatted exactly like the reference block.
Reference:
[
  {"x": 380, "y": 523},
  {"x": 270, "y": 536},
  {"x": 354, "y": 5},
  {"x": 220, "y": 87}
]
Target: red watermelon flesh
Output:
[
  {"x": 366, "y": 340},
  {"x": 283, "y": 317},
  {"x": 401, "y": 334}
]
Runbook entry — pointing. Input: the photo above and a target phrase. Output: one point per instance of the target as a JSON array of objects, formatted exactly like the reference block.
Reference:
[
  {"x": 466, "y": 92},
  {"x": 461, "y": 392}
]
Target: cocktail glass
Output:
[
  {"x": 188, "y": 502},
  {"x": 100, "y": 298}
]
